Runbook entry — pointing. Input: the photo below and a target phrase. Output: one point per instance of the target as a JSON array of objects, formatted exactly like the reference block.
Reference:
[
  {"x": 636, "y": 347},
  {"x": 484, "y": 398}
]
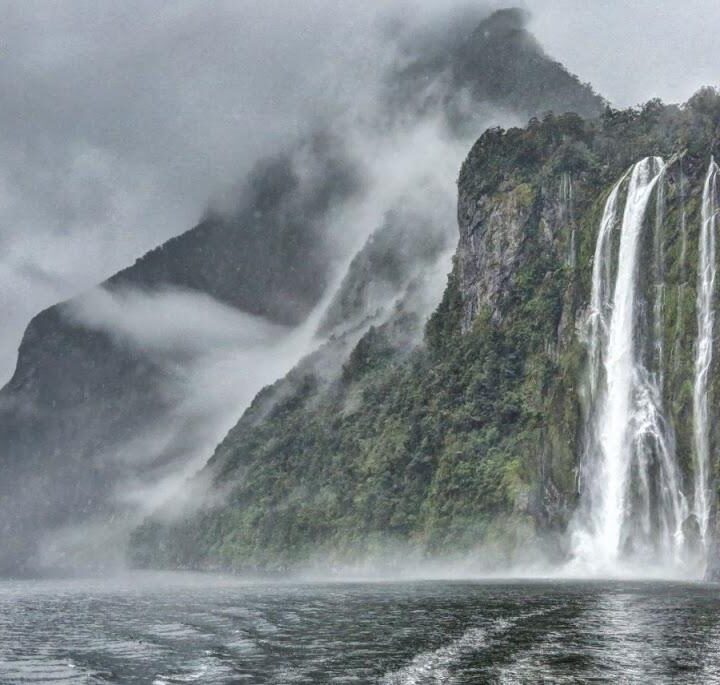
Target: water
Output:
[
  {"x": 703, "y": 357},
  {"x": 600, "y": 299},
  {"x": 632, "y": 506},
  {"x": 659, "y": 286},
  {"x": 181, "y": 628}
]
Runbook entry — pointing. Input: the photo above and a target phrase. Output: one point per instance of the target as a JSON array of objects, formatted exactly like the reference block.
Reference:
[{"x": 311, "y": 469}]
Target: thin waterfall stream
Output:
[{"x": 707, "y": 271}]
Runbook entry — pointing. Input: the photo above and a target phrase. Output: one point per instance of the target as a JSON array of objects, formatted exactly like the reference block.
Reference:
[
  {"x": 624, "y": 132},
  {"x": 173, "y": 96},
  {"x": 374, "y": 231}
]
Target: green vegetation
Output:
[{"x": 470, "y": 442}]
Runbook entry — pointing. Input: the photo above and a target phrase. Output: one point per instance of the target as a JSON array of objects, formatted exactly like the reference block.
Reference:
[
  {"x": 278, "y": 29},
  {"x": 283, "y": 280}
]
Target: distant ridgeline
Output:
[
  {"x": 562, "y": 406},
  {"x": 358, "y": 459}
]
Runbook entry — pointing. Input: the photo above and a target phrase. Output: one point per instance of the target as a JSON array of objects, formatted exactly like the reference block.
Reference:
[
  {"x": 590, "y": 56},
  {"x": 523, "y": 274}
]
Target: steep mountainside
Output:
[
  {"x": 80, "y": 398},
  {"x": 79, "y": 395},
  {"x": 472, "y": 443}
]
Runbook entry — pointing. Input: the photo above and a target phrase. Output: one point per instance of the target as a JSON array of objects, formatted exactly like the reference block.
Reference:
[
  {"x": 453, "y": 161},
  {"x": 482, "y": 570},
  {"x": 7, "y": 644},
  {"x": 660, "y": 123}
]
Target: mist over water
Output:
[{"x": 334, "y": 132}]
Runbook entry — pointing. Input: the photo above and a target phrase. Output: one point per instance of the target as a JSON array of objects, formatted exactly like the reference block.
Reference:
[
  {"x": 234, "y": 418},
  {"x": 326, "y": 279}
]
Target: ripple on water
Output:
[{"x": 394, "y": 633}]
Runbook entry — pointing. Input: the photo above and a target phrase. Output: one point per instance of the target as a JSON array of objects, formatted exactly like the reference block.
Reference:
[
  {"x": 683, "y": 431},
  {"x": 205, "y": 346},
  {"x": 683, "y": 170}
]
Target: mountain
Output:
[
  {"x": 474, "y": 444},
  {"x": 93, "y": 390},
  {"x": 497, "y": 63},
  {"x": 79, "y": 396}
]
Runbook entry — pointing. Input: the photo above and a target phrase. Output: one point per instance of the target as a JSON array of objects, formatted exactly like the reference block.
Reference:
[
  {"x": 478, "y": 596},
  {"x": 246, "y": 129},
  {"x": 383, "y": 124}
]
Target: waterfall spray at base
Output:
[
  {"x": 632, "y": 508},
  {"x": 703, "y": 354}
]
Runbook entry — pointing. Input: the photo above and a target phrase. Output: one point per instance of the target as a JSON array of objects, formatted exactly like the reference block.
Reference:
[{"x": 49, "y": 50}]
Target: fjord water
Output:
[{"x": 180, "y": 628}]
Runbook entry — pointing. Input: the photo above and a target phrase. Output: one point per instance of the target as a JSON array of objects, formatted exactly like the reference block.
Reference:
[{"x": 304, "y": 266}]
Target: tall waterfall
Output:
[
  {"x": 632, "y": 506},
  {"x": 600, "y": 300},
  {"x": 703, "y": 356}
]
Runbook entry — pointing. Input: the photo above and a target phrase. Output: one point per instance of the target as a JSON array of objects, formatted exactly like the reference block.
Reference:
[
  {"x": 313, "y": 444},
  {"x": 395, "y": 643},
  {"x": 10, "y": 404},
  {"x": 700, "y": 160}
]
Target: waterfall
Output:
[
  {"x": 631, "y": 503},
  {"x": 659, "y": 281},
  {"x": 598, "y": 317},
  {"x": 703, "y": 355}
]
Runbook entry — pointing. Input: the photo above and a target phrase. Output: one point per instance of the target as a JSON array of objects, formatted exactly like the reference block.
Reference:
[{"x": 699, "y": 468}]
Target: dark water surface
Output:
[{"x": 184, "y": 628}]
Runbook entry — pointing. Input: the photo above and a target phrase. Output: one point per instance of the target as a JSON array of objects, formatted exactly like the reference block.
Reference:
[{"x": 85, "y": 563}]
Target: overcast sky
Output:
[{"x": 121, "y": 119}]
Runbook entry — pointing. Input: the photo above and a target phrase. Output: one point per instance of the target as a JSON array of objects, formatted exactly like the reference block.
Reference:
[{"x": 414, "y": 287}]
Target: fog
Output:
[
  {"x": 215, "y": 359},
  {"x": 121, "y": 121}
]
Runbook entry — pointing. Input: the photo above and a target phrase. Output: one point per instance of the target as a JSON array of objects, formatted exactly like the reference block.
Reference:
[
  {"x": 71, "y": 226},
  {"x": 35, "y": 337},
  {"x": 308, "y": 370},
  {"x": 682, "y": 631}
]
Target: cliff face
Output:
[
  {"x": 80, "y": 397},
  {"x": 470, "y": 444}
]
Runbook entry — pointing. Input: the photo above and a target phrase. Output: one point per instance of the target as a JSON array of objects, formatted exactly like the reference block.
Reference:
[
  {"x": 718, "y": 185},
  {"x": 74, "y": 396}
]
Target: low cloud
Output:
[
  {"x": 172, "y": 322},
  {"x": 121, "y": 120}
]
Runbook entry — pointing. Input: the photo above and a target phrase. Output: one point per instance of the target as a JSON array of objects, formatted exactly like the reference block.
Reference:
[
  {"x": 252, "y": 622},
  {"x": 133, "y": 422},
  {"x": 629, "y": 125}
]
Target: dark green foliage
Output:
[{"x": 370, "y": 353}]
